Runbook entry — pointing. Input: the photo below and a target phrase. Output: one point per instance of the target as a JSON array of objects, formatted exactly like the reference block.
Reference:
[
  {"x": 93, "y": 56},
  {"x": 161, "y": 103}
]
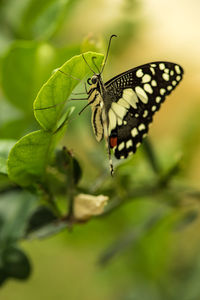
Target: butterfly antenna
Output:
[
  {"x": 93, "y": 60},
  {"x": 113, "y": 35},
  {"x": 88, "y": 65}
]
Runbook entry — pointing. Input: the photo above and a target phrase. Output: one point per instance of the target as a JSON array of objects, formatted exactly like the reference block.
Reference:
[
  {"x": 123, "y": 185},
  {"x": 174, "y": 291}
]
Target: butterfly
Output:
[{"x": 123, "y": 107}]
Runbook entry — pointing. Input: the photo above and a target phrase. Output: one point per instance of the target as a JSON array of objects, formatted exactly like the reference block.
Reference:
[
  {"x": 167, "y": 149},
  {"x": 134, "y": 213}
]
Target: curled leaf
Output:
[{"x": 52, "y": 97}]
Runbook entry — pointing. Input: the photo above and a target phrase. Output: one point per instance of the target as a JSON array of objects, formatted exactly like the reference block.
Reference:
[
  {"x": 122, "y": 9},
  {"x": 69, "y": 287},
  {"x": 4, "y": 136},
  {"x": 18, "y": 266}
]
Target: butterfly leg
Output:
[
  {"x": 110, "y": 163},
  {"x": 86, "y": 91}
]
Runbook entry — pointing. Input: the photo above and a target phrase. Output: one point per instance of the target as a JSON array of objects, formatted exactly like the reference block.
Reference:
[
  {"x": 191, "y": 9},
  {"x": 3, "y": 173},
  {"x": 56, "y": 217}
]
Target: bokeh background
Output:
[{"x": 163, "y": 263}]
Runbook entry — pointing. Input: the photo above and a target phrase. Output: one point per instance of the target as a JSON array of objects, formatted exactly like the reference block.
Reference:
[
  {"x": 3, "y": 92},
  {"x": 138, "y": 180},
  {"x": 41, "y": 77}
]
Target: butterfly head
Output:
[{"x": 94, "y": 80}]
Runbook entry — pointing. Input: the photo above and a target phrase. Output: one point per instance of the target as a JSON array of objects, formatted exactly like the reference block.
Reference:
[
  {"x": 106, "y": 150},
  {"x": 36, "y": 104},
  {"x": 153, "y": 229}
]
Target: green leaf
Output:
[
  {"x": 54, "y": 93},
  {"x": 41, "y": 19},
  {"x": 5, "y": 146},
  {"x": 25, "y": 68},
  {"x": 15, "y": 210},
  {"x": 29, "y": 157}
]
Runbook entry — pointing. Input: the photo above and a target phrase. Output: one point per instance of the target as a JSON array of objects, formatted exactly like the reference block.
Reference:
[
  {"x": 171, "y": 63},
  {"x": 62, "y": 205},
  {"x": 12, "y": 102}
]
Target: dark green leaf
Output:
[
  {"x": 41, "y": 217},
  {"x": 16, "y": 263},
  {"x": 48, "y": 230},
  {"x": 3, "y": 275},
  {"x": 77, "y": 171}
]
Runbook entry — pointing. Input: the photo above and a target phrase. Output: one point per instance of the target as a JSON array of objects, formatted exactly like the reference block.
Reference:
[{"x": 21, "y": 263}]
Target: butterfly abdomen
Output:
[{"x": 96, "y": 103}]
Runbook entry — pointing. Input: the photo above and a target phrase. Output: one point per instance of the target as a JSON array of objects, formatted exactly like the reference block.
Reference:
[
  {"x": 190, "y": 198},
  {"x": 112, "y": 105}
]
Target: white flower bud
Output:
[{"x": 86, "y": 206}]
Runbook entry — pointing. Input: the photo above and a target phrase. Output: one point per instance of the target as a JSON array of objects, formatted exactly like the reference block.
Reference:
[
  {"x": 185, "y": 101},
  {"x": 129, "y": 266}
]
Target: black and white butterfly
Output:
[{"x": 123, "y": 107}]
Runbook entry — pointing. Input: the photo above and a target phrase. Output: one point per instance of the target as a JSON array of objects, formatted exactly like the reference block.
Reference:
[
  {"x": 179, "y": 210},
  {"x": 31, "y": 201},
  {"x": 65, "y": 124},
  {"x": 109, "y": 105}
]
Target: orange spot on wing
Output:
[{"x": 113, "y": 142}]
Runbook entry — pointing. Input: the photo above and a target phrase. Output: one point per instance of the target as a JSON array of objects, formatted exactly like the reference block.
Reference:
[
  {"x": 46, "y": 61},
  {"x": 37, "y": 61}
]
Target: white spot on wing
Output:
[
  {"x": 162, "y": 91},
  {"x": 130, "y": 96},
  {"x": 112, "y": 120},
  {"x": 154, "y": 83},
  {"x": 119, "y": 110},
  {"x": 141, "y": 127},
  {"x": 152, "y": 70},
  {"x": 171, "y": 72},
  {"x": 178, "y": 70},
  {"x": 174, "y": 82},
  {"x": 123, "y": 103},
  {"x": 169, "y": 87},
  {"x": 158, "y": 99},
  {"x": 138, "y": 144},
  {"x": 153, "y": 108},
  {"x": 141, "y": 94},
  {"x": 165, "y": 76},
  {"x": 139, "y": 73},
  {"x": 121, "y": 146},
  {"x": 148, "y": 88},
  {"x": 178, "y": 77},
  {"x": 129, "y": 143},
  {"x": 146, "y": 78},
  {"x": 145, "y": 114},
  {"x": 162, "y": 66},
  {"x": 134, "y": 132}
]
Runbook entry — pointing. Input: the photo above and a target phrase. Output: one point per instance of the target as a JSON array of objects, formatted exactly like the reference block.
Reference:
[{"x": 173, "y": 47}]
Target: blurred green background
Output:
[{"x": 148, "y": 248}]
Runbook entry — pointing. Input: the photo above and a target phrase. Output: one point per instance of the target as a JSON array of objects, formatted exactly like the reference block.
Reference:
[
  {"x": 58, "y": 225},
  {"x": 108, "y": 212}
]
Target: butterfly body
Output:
[{"x": 123, "y": 107}]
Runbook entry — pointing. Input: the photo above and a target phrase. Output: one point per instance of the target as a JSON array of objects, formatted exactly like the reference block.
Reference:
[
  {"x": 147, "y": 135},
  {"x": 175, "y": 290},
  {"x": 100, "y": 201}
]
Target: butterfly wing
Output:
[{"x": 136, "y": 95}]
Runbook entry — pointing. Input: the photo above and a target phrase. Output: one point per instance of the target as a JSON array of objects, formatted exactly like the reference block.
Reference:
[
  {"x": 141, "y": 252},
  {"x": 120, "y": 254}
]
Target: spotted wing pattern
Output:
[{"x": 136, "y": 95}]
